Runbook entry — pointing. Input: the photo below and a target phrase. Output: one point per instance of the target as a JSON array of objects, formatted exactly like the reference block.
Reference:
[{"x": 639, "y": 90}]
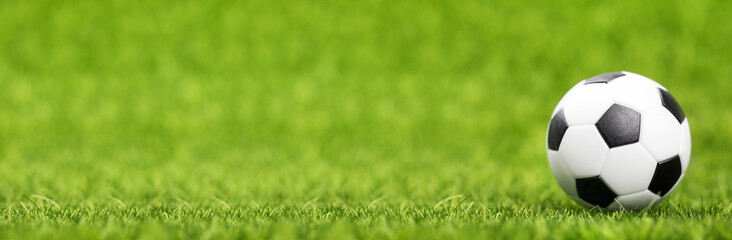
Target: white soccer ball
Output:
[{"x": 618, "y": 141}]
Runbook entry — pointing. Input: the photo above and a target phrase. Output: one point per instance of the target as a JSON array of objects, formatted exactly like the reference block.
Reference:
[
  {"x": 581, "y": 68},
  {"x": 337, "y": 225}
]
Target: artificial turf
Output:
[{"x": 338, "y": 120}]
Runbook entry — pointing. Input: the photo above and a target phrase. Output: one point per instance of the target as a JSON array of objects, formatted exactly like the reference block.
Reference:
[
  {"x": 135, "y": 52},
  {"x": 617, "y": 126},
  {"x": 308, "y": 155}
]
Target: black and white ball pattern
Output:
[{"x": 618, "y": 141}]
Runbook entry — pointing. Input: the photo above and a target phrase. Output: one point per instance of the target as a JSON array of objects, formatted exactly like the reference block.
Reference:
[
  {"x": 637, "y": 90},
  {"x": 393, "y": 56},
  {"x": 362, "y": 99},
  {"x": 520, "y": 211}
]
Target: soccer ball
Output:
[{"x": 618, "y": 141}]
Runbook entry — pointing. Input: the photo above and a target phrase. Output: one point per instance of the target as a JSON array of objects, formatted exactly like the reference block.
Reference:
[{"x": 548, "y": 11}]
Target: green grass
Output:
[{"x": 338, "y": 120}]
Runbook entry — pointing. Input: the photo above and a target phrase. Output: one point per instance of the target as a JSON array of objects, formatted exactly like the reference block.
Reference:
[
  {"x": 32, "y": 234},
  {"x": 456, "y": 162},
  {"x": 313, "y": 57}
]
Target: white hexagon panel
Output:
[
  {"x": 583, "y": 151},
  {"x": 635, "y": 76},
  {"x": 660, "y": 133},
  {"x": 586, "y": 104},
  {"x": 628, "y": 169},
  {"x": 637, "y": 93},
  {"x": 634, "y": 201},
  {"x": 565, "y": 179},
  {"x": 560, "y": 105},
  {"x": 685, "y": 152}
]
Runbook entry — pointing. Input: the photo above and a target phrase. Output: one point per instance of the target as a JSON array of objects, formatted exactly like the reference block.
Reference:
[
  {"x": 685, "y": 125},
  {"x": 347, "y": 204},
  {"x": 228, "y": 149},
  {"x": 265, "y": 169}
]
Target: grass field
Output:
[{"x": 338, "y": 120}]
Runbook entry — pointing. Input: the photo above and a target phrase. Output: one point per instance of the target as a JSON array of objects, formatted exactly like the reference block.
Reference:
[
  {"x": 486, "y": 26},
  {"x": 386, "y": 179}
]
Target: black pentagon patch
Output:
[
  {"x": 594, "y": 191},
  {"x": 557, "y": 127},
  {"x": 604, "y": 78},
  {"x": 670, "y": 103},
  {"x": 619, "y": 126},
  {"x": 667, "y": 174}
]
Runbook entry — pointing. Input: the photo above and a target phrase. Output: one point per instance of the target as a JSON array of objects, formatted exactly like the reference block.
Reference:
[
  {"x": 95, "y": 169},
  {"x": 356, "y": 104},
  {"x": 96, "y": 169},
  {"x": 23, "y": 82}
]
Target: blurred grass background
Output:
[{"x": 331, "y": 119}]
